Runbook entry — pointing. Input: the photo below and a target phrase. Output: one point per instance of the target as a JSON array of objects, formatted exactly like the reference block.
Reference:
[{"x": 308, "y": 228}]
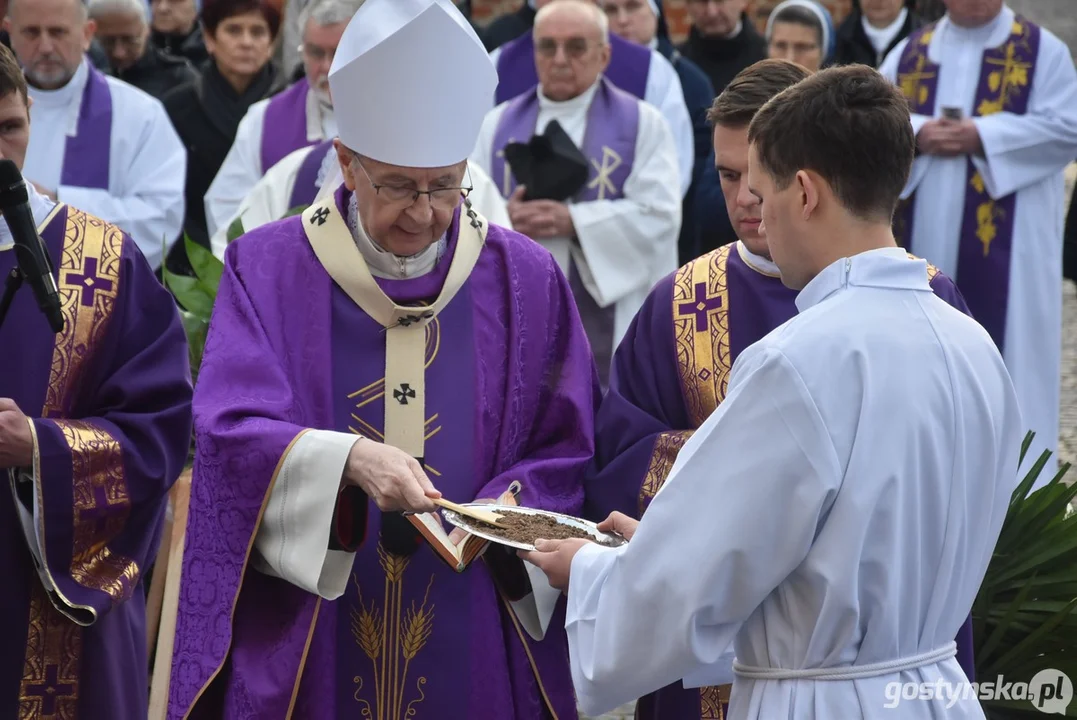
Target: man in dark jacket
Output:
[
  {"x": 872, "y": 29},
  {"x": 509, "y": 26},
  {"x": 177, "y": 32},
  {"x": 124, "y": 34},
  {"x": 722, "y": 40}
]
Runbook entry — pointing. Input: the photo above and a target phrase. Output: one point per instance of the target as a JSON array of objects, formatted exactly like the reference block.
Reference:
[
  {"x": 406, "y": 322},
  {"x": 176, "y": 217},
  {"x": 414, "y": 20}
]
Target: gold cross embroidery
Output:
[
  {"x": 1009, "y": 77},
  {"x": 913, "y": 84},
  {"x": 604, "y": 181}
]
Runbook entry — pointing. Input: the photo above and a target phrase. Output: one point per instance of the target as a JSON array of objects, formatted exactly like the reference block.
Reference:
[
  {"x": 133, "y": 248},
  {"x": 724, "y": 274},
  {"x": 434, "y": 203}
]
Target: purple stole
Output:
[
  {"x": 286, "y": 114},
  {"x": 629, "y": 67},
  {"x": 671, "y": 372},
  {"x": 609, "y": 144},
  {"x": 86, "y": 153},
  {"x": 306, "y": 185},
  {"x": 986, "y": 244}
]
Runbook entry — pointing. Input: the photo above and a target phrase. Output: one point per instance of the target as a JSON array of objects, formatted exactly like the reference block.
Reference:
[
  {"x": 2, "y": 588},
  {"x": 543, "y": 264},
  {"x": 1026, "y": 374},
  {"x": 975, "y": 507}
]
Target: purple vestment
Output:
[
  {"x": 670, "y": 372},
  {"x": 86, "y": 153},
  {"x": 511, "y": 389},
  {"x": 986, "y": 243},
  {"x": 284, "y": 127},
  {"x": 629, "y": 67},
  {"x": 307, "y": 180},
  {"x": 111, "y": 398},
  {"x": 609, "y": 144}
]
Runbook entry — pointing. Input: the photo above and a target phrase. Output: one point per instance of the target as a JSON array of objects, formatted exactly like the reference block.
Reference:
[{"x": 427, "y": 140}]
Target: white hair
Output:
[
  {"x": 328, "y": 12},
  {"x": 98, "y": 8},
  {"x": 600, "y": 18}
]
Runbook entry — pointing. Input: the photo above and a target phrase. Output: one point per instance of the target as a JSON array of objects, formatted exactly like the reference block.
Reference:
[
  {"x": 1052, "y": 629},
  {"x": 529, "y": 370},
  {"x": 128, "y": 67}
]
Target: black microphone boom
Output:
[{"x": 30, "y": 252}]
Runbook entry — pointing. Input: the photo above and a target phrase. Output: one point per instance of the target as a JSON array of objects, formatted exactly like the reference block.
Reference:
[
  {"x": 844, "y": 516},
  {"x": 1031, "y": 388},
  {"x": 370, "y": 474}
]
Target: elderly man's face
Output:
[
  {"x": 174, "y": 17},
  {"x": 632, "y": 20},
  {"x": 393, "y": 217},
  {"x": 319, "y": 47},
  {"x": 716, "y": 18},
  {"x": 972, "y": 13},
  {"x": 570, "y": 52},
  {"x": 49, "y": 37},
  {"x": 14, "y": 127},
  {"x": 123, "y": 37}
]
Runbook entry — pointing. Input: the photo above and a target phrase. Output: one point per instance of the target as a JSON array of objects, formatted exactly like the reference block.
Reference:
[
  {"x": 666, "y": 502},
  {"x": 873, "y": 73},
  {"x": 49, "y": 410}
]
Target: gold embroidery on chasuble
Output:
[
  {"x": 89, "y": 277},
  {"x": 666, "y": 447},
  {"x": 701, "y": 329}
]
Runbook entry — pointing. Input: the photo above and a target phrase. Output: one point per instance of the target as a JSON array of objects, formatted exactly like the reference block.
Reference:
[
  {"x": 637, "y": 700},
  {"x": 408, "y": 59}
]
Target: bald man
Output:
[{"x": 99, "y": 144}]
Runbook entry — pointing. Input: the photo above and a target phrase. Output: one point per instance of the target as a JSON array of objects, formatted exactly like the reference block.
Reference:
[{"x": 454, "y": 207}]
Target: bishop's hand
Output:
[
  {"x": 16, "y": 440},
  {"x": 390, "y": 477}
]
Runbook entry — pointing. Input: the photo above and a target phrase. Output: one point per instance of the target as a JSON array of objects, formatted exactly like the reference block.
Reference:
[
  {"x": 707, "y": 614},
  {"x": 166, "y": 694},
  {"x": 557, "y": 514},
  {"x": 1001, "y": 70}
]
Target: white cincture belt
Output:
[{"x": 852, "y": 672}]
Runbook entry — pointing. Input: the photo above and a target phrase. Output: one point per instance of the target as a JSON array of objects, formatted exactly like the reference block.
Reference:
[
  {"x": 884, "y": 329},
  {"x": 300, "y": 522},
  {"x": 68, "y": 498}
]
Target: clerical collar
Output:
[
  {"x": 386, "y": 265},
  {"x": 69, "y": 96},
  {"x": 889, "y": 267},
  {"x": 881, "y": 38},
  {"x": 40, "y": 207},
  {"x": 762, "y": 265},
  {"x": 580, "y": 102}
]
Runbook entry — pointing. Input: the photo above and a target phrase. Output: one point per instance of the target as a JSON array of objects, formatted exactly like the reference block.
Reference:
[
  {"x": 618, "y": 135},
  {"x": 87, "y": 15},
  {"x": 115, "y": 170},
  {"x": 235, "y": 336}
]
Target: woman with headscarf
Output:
[
  {"x": 801, "y": 31},
  {"x": 239, "y": 36}
]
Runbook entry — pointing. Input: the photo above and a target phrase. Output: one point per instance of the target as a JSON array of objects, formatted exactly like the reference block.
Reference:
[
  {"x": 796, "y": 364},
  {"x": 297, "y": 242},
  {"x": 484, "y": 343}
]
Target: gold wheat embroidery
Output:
[{"x": 391, "y": 637}]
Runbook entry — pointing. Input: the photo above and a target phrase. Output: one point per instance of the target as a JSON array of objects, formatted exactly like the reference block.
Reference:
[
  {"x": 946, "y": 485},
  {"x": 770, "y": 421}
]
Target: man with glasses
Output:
[
  {"x": 387, "y": 341},
  {"x": 300, "y": 116},
  {"x": 617, "y": 235},
  {"x": 124, "y": 33}
]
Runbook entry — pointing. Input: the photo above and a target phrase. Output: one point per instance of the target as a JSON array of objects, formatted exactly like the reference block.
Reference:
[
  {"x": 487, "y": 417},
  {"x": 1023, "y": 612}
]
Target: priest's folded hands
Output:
[
  {"x": 554, "y": 557},
  {"x": 390, "y": 477}
]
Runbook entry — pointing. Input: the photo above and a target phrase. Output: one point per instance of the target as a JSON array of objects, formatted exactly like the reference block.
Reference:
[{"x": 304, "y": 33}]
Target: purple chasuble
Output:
[
  {"x": 284, "y": 127},
  {"x": 110, "y": 397},
  {"x": 609, "y": 144},
  {"x": 986, "y": 243},
  {"x": 307, "y": 183},
  {"x": 86, "y": 153},
  {"x": 410, "y": 637},
  {"x": 630, "y": 64},
  {"x": 669, "y": 374}
]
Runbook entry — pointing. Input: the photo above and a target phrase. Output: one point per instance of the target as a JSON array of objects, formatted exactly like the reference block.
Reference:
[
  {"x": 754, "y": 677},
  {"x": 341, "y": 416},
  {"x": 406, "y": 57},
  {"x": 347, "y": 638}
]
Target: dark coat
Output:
[
  {"x": 1069, "y": 245},
  {"x": 191, "y": 46},
  {"x": 853, "y": 46},
  {"x": 721, "y": 59},
  {"x": 508, "y": 27},
  {"x": 157, "y": 72}
]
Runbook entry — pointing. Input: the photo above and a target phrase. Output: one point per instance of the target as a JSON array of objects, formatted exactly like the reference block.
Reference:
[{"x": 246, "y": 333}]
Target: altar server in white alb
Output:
[
  {"x": 313, "y": 172},
  {"x": 617, "y": 236},
  {"x": 835, "y": 516},
  {"x": 994, "y": 109},
  {"x": 299, "y": 117},
  {"x": 98, "y": 144}
]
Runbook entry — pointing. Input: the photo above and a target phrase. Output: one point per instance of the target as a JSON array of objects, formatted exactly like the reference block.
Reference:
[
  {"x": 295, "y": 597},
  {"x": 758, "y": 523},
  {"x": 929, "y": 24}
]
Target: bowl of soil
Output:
[{"x": 520, "y": 527}]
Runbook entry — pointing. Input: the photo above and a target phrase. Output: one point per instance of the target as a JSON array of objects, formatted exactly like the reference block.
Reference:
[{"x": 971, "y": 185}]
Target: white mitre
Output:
[{"x": 411, "y": 83}]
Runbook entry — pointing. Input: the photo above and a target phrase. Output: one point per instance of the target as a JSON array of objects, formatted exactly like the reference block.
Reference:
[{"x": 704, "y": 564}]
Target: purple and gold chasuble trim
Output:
[
  {"x": 89, "y": 277},
  {"x": 987, "y": 226}
]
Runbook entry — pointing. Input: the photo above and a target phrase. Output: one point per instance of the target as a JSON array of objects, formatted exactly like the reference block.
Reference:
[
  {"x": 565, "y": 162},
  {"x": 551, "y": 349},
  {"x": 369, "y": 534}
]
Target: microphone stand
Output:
[{"x": 14, "y": 282}]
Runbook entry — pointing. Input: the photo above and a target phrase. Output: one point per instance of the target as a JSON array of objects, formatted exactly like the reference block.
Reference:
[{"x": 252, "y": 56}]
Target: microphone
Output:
[{"x": 30, "y": 252}]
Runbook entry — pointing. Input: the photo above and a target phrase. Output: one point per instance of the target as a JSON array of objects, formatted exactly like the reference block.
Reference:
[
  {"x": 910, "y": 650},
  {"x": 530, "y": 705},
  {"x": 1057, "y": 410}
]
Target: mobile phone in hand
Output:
[{"x": 952, "y": 113}]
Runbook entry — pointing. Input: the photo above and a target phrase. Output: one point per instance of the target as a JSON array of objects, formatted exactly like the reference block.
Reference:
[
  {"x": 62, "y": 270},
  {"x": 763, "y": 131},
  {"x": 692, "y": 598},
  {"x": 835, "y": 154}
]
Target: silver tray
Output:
[{"x": 469, "y": 525}]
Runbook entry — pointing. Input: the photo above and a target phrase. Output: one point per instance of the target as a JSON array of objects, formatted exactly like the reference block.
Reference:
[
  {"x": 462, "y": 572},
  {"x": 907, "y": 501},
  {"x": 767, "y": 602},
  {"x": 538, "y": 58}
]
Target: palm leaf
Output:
[{"x": 235, "y": 230}]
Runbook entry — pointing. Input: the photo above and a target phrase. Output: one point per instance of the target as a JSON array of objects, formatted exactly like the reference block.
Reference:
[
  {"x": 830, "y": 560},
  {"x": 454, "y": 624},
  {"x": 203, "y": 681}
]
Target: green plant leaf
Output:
[
  {"x": 297, "y": 210},
  {"x": 235, "y": 230},
  {"x": 207, "y": 268},
  {"x": 191, "y": 295}
]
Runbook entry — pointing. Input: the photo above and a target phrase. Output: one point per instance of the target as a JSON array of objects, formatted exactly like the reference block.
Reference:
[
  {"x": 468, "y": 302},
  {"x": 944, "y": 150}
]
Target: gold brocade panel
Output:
[{"x": 50, "y": 677}]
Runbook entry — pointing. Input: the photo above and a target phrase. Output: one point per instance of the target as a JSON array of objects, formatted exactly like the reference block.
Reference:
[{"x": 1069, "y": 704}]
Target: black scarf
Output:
[{"x": 223, "y": 107}]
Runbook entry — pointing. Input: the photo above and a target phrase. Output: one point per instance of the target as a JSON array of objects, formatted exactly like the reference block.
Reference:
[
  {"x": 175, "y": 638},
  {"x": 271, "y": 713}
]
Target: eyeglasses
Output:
[
  {"x": 574, "y": 47},
  {"x": 440, "y": 198},
  {"x": 317, "y": 54}
]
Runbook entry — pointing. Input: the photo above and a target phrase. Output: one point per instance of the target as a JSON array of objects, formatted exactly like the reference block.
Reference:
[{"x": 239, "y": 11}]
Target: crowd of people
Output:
[{"x": 777, "y": 304}]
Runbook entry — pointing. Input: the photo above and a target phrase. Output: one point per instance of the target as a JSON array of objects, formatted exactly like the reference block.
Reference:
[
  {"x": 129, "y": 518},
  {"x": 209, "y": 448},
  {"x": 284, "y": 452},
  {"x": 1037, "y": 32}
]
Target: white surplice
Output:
[
  {"x": 624, "y": 246},
  {"x": 839, "y": 508},
  {"x": 1026, "y": 154},
  {"x": 147, "y": 161},
  {"x": 270, "y": 198},
  {"x": 663, "y": 91},
  {"x": 242, "y": 166}
]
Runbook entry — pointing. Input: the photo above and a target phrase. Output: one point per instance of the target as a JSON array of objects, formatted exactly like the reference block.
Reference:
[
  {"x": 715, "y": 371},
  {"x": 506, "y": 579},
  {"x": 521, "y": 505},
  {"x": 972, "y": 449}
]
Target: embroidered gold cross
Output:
[
  {"x": 604, "y": 180},
  {"x": 913, "y": 83},
  {"x": 1011, "y": 76}
]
